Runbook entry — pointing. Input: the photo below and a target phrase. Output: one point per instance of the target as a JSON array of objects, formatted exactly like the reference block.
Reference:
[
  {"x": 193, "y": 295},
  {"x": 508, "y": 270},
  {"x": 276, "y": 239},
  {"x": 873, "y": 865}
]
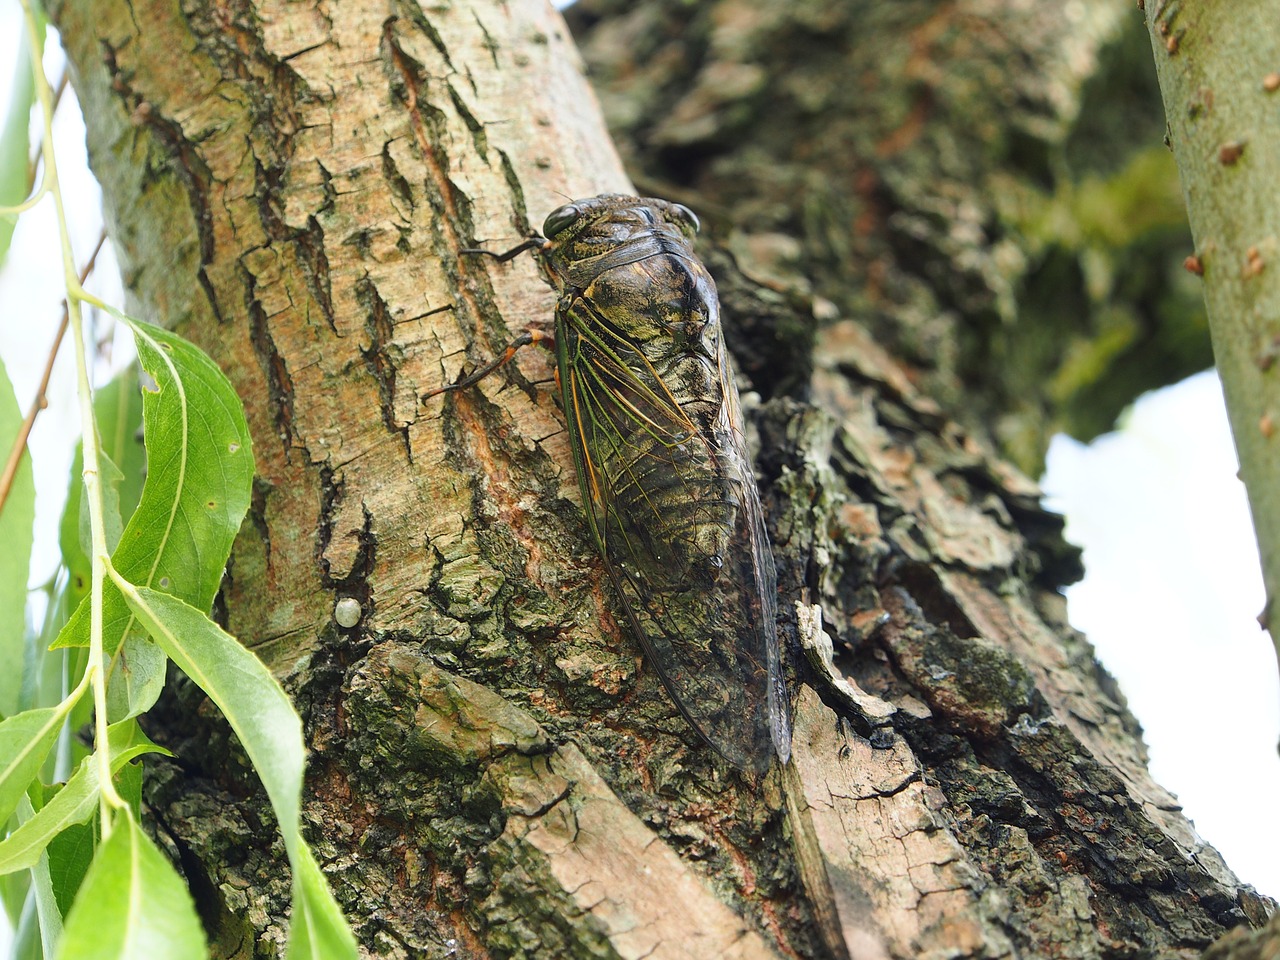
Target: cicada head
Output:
[{"x": 586, "y": 229}]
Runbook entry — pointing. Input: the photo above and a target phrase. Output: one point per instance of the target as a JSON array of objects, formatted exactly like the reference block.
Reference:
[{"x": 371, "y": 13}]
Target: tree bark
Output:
[
  {"x": 495, "y": 772},
  {"x": 983, "y": 186}
]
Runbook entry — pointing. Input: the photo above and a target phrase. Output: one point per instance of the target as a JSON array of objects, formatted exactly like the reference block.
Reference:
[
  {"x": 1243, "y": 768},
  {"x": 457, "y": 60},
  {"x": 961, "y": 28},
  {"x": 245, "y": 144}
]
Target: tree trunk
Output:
[{"x": 898, "y": 202}]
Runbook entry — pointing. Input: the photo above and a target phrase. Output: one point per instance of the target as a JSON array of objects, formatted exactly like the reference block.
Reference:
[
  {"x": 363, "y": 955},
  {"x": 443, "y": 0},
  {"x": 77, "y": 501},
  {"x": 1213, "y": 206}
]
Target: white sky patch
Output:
[{"x": 1170, "y": 601}]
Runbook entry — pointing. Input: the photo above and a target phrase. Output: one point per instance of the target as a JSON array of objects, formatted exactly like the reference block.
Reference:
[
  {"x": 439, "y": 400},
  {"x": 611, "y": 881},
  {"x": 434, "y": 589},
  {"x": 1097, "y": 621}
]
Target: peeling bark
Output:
[{"x": 495, "y": 772}]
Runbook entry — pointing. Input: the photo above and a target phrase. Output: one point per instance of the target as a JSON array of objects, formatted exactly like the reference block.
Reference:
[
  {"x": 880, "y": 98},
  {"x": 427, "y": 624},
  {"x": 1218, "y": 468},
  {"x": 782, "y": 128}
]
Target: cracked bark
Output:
[{"x": 494, "y": 772}]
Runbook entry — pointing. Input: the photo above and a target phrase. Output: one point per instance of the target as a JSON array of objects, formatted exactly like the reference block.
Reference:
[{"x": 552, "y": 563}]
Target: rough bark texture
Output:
[
  {"x": 982, "y": 184},
  {"x": 494, "y": 771}
]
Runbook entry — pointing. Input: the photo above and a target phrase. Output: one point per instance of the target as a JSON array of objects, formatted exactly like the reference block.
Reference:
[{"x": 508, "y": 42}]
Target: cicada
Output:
[{"x": 657, "y": 436}]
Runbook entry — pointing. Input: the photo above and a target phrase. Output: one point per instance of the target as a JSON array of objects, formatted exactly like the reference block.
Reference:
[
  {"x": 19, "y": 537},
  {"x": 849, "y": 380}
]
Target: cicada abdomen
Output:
[{"x": 663, "y": 466}]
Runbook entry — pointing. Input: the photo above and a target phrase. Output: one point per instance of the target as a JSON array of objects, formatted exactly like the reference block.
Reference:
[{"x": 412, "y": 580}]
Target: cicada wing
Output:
[
  {"x": 779, "y": 703},
  {"x": 673, "y": 506}
]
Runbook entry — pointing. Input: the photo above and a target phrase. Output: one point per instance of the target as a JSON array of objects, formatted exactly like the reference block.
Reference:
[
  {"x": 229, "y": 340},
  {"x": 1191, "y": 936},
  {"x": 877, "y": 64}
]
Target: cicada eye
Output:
[
  {"x": 558, "y": 219},
  {"x": 687, "y": 215}
]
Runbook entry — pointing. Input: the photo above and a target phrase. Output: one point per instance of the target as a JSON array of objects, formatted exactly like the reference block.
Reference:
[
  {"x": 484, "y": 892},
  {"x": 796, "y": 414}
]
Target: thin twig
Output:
[
  {"x": 41, "y": 401},
  {"x": 60, "y": 89}
]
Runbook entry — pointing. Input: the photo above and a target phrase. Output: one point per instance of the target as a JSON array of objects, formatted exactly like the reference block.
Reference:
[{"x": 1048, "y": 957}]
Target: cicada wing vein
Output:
[{"x": 677, "y": 520}]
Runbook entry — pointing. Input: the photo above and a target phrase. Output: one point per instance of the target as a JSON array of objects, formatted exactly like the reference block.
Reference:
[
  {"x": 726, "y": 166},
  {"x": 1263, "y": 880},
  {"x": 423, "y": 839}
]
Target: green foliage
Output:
[
  {"x": 318, "y": 930},
  {"x": 1104, "y": 307},
  {"x": 133, "y": 904},
  {"x": 75, "y": 802},
  {"x": 1101, "y": 212},
  {"x": 25, "y": 740},
  {"x": 188, "y": 511},
  {"x": 118, "y": 409},
  {"x": 269, "y": 729},
  {"x": 178, "y": 538},
  {"x": 199, "y": 479},
  {"x": 15, "y": 533},
  {"x": 149, "y": 555},
  {"x": 15, "y": 144},
  {"x": 40, "y": 936}
]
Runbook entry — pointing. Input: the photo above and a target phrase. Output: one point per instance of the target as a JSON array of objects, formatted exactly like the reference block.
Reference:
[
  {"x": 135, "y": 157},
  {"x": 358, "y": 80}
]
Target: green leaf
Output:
[
  {"x": 317, "y": 928},
  {"x": 70, "y": 854},
  {"x": 133, "y": 905},
  {"x": 118, "y": 410},
  {"x": 65, "y": 667},
  {"x": 13, "y": 891},
  {"x": 244, "y": 690},
  {"x": 48, "y": 912},
  {"x": 15, "y": 559},
  {"x": 110, "y": 477},
  {"x": 129, "y": 786},
  {"x": 15, "y": 143},
  {"x": 75, "y": 802},
  {"x": 269, "y": 729},
  {"x": 25, "y": 740},
  {"x": 136, "y": 678},
  {"x": 26, "y": 938},
  {"x": 199, "y": 481}
]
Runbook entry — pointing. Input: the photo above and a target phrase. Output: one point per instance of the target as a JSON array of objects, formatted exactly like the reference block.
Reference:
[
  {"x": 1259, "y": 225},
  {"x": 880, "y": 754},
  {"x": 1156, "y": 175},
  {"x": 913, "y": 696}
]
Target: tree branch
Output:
[{"x": 1217, "y": 67}]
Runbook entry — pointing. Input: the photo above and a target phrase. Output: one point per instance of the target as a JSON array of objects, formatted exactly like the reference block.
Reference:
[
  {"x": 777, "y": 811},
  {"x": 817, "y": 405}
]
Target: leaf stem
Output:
[
  {"x": 94, "y": 671},
  {"x": 28, "y": 203}
]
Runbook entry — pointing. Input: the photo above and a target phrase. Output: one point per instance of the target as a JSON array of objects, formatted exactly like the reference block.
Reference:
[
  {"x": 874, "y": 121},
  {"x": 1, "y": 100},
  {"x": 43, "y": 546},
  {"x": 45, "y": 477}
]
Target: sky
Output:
[
  {"x": 1169, "y": 600},
  {"x": 31, "y": 295}
]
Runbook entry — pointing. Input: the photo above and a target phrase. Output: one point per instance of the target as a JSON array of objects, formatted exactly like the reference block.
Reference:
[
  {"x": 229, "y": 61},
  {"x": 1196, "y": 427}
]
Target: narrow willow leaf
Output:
[
  {"x": 14, "y": 142},
  {"x": 15, "y": 533},
  {"x": 118, "y": 410},
  {"x": 70, "y": 854},
  {"x": 71, "y": 851},
  {"x": 13, "y": 891},
  {"x": 269, "y": 729},
  {"x": 75, "y": 802},
  {"x": 133, "y": 905},
  {"x": 48, "y": 912},
  {"x": 110, "y": 478},
  {"x": 68, "y": 665},
  {"x": 26, "y": 938},
  {"x": 199, "y": 481},
  {"x": 317, "y": 928},
  {"x": 136, "y": 678},
  {"x": 240, "y": 686},
  {"x": 25, "y": 740},
  {"x": 129, "y": 786}
]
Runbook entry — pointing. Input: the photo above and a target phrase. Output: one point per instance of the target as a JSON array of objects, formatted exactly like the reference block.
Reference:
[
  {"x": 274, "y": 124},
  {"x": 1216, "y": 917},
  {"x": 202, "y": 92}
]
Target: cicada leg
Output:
[
  {"x": 524, "y": 340},
  {"x": 533, "y": 243}
]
